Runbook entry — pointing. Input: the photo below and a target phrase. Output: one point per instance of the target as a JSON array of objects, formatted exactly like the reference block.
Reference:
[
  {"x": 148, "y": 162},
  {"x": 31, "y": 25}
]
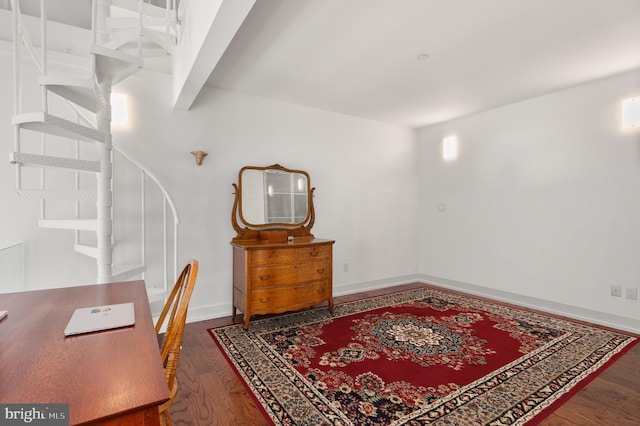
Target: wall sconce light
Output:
[
  {"x": 631, "y": 113},
  {"x": 450, "y": 148},
  {"x": 199, "y": 156},
  {"x": 118, "y": 108}
]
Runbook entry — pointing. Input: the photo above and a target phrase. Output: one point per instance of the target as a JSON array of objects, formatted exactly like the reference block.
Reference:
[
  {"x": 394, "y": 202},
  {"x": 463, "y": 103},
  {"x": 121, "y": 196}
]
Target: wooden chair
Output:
[{"x": 174, "y": 315}]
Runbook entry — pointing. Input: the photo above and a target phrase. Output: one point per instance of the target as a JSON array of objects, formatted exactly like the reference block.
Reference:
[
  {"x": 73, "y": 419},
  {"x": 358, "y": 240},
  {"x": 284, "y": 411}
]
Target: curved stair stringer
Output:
[{"x": 89, "y": 99}]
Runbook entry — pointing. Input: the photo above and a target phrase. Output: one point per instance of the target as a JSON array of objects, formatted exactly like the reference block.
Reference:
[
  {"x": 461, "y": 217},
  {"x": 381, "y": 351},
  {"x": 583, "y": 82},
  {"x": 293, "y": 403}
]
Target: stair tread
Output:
[
  {"x": 81, "y": 91},
  {"x": 78, "y": 224},
  {"x": 120, "y": 22},
  {"x": 150, "y": 38},
  {"x": 123, "y": 271},
  {"x": 148, "y": 9},
  {"x": 87, "y": 250},
  {"x": 113, "y": 66},
  {"x": 59, "y": 194},
  {"x": 50, "y": 124},
  {"x": 31, "y": 160},
  {"x": 127, "y": 267}
]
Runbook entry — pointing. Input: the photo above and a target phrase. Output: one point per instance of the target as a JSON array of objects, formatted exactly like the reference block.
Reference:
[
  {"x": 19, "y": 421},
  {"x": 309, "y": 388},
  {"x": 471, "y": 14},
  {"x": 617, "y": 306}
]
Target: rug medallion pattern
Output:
[{"x": 416, "y": 357}]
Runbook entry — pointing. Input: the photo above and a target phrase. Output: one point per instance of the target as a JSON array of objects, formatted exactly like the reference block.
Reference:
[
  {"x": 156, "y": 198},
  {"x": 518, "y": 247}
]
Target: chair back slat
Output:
[{"x": 174, "y": 314}]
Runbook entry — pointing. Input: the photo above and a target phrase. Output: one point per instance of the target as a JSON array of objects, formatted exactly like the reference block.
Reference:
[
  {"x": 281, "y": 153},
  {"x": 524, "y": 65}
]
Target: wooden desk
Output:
[{"x": 112, "y": 377}]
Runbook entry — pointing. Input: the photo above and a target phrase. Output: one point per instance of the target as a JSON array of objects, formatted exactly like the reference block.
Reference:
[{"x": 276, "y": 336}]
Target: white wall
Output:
[
  {"x": 364, "y": 172},
  {"x": 360, "y": 168},
  {"x": 542, "y": 201}
]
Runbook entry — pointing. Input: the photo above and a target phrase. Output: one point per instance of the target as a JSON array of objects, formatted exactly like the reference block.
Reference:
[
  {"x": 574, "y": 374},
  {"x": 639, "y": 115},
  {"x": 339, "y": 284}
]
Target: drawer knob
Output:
[
  {"x": 313, "y": 254},
  {"x": 321, "y": 290},
  {"x": 320, "y": 271},
  {"x": 264, "y": 277},
  {"x": 265, "y": 300}
]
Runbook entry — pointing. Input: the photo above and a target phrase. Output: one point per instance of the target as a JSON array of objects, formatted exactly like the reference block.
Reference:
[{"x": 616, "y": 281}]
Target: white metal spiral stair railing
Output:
[{"x": 118, "y": 46}]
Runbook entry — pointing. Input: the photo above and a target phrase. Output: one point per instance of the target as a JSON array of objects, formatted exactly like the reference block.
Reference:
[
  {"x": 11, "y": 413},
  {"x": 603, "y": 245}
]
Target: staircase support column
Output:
[{"x": 105, "y": 195}]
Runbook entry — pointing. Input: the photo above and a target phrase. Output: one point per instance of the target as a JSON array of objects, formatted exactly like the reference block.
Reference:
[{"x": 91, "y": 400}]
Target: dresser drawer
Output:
[
  {"x": 272, "y": 257},
  {"x": 313, "y": 253},
  {"x": 262, "y": 276},
  {"x": 282, "y": 299}
]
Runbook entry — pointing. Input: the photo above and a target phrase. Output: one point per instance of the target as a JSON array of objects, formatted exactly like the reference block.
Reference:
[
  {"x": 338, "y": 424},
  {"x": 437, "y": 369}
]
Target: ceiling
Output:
[{"x": 361, "y": 57}]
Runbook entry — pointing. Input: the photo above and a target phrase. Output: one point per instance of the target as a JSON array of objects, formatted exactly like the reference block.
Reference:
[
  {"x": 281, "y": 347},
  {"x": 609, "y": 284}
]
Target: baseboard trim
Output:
[
  {"x": 630, "y": 325},
  {"x": 203, "y": 313},
  {"x": 342, "y": 290},
  {"x": 582, "y": 314}
]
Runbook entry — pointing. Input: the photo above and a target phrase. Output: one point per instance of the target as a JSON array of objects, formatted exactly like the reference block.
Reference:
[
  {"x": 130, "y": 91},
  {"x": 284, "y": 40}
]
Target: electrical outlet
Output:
[
  {"x": 631, "y": 293},
  {"x": 616, "y": 290},
  {"x": 345, "y": 267}
]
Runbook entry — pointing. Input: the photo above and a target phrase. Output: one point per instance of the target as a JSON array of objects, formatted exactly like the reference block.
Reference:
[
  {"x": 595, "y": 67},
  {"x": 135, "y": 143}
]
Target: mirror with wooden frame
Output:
[{"x": 272, "y": 202}]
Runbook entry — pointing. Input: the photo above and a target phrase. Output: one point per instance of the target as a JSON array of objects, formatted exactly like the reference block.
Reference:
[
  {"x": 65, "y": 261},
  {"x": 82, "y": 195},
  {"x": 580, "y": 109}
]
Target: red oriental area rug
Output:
[{"x": 416, "y": 357}]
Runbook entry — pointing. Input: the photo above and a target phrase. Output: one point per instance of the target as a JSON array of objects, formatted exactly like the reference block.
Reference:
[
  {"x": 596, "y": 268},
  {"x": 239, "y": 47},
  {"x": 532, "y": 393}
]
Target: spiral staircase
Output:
[{"x": 66, "y": 137}]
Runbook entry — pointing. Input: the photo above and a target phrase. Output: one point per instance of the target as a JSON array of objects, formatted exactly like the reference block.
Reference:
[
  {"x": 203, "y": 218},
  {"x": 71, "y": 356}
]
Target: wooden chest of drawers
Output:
[{"x": 271, "y": 278}]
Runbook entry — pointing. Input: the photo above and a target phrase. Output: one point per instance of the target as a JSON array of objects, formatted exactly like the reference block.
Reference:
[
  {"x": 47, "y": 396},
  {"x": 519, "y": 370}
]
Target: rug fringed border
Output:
[{"x": 535, "y": 415}]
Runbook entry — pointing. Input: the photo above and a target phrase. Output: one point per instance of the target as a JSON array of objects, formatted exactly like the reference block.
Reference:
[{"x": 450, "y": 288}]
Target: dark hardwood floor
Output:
[{"x": 210, "y": 393}]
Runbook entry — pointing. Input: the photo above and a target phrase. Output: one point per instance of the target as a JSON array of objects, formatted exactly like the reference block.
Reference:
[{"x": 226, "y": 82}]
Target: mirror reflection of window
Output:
[
  {"x": 286, "y": 202},
  {"x": 274, "y": 196}
]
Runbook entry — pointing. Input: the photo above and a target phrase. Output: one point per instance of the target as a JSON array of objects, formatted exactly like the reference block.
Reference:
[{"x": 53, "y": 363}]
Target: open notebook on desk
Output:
[{"x": 97, "y": 318}]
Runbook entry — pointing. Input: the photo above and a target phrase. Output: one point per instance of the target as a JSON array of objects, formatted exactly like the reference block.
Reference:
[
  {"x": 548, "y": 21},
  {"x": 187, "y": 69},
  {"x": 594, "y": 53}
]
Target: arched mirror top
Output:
[{"x": 272, "y": 200}]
